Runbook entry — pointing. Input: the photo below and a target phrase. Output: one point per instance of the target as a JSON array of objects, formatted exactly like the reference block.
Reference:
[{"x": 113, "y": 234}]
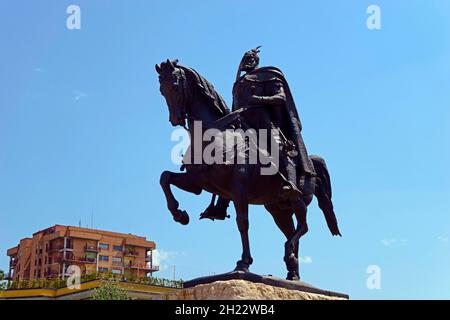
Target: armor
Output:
[{"x": 267, "y": 93}]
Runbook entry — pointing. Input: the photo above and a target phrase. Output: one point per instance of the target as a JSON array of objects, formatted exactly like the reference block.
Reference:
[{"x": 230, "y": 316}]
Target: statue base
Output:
[{"x": 239, "y": 285}]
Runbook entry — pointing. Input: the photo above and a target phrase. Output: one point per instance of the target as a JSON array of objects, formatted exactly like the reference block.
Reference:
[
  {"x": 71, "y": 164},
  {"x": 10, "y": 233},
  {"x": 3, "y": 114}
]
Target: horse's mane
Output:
[{"x": 207, "y": 89}]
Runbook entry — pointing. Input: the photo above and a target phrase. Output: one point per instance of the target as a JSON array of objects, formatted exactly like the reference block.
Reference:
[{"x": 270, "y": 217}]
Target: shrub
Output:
[{"x": 109, "y": 290}]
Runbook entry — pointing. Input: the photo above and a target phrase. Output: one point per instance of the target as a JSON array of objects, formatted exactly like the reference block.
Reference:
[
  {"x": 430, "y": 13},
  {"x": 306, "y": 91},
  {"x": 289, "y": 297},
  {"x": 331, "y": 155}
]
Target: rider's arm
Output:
[{"x": 277, "y": 97}]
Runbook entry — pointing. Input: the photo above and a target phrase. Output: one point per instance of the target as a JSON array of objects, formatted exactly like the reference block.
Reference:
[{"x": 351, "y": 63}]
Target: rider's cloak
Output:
[{"x": 290, "y": 123}]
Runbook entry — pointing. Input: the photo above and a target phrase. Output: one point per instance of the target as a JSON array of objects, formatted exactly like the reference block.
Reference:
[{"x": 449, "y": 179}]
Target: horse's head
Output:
[{"x": 172, "y": 82}]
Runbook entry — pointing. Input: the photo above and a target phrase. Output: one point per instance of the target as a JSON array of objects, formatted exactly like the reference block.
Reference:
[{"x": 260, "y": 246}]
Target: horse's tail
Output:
[{"x": 323, "y": 194}]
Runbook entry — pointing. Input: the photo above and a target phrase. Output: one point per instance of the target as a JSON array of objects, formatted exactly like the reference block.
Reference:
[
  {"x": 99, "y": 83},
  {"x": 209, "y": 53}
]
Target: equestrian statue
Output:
[{"x": 262, "y": 103}]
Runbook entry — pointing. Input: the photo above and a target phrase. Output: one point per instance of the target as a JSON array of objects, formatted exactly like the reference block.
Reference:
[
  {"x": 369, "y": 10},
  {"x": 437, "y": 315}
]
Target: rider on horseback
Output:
[{"x": 265, "y": 96}]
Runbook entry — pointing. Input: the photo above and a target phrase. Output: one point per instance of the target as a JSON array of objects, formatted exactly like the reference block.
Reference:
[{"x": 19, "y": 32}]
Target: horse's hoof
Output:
[
  {"x": 293, "y": 276},
  {"x": 181, "y": 217},
  {"x": 242, "y": 266}
]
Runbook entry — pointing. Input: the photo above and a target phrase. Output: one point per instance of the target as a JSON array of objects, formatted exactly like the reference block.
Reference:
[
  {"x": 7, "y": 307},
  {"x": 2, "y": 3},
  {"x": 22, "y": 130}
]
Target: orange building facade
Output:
[{"x": 50, "y": 252}]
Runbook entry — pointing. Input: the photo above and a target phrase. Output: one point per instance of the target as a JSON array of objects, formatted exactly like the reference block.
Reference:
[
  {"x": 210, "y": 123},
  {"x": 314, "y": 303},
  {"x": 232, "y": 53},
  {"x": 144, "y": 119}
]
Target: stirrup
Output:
[{"x": 214, "y": 212}]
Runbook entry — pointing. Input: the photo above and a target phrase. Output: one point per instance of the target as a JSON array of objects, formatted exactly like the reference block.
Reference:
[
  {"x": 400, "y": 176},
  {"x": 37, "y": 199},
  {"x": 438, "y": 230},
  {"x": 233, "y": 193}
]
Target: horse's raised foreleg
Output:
[
  {"x": 185, "y": 181},
  {"x": 240, "y": 200}
]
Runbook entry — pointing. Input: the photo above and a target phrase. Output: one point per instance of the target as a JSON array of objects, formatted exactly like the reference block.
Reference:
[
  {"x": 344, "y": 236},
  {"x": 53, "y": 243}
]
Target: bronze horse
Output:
[{"x": 191, "y": 98}]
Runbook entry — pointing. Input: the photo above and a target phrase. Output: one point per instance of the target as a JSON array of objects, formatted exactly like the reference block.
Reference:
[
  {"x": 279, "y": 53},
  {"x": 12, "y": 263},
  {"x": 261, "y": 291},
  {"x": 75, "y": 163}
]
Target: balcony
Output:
[
  {"x": 8, "y": 276},
  {"x": 52, "y": 274},
  {"x": 153, "y": 268},
  {"x": 57, "y": 248},
  {"x": 90, "y": 260},
  {"x": 142, "y": 266},
  {"x": 131, "y": 253},
  {"x": 54, "y": 248},
  {"x": 89, "y": 248},
  {"x": 117, "y": 263},
  {"x": 72, "y": 258}
]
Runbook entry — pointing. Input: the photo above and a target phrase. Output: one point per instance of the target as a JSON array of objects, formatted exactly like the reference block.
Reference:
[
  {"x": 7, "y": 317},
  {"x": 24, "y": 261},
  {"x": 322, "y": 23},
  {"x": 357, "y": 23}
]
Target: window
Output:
[
  {"x": 116, "y": 271},
  {"x": 104, "y": 246},
  {"x": 102, "y": 269},
  {"x": 117, "y": 259},
  {"x": 104, "y": 258},
  {"x": 117, "y": 248}
]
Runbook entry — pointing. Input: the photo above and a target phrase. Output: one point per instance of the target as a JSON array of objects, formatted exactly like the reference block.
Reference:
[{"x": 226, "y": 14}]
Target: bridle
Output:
[
  {"x": 187, "y": 95},
  {"x": 181, "y": 83}
]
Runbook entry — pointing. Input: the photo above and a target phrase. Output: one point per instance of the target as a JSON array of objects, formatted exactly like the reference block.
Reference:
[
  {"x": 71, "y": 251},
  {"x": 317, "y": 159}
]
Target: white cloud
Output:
[
  {"x": 162, "y": 258},
  {"x": 390, "y": 242},
  {"x": 40, "y": 70},
  {"x": 305, "y": 260},
  {"x": 79, "y": 95},
  {"x": 442, "y": 239},
  {"x": 387, "y": 242}
]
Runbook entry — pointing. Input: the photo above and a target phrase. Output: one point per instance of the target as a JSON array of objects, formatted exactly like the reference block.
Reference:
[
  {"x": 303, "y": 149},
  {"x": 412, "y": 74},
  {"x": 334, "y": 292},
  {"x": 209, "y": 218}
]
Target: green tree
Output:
[
  {"x": 3, "y": 284},
  {"x": 109, "y": 290}
]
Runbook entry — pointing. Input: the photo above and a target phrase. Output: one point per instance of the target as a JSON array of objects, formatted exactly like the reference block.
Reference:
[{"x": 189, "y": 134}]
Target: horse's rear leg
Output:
[{"x": 185, "y": 181}]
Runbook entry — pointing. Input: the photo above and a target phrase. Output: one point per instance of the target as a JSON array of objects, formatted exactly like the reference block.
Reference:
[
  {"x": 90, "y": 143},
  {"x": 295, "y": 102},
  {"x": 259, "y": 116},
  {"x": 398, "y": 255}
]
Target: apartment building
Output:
[{"x": 50, "y": 252}]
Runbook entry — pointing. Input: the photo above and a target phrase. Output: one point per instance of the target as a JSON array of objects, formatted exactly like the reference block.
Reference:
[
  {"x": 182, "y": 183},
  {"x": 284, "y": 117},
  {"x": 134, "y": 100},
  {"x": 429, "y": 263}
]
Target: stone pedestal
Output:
[
  {"x": 256, "y": 286},
  {"x": 245, "y": 290}
]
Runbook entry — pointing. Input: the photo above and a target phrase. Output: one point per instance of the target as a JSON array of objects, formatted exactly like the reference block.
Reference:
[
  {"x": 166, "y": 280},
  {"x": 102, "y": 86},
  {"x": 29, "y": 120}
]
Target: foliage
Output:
[
  {"x": 61, "y": 283},
  {"x": 3, "y": 284},
  {"x": 34, "y": 284},
  {"x": 109, "y": 290}
]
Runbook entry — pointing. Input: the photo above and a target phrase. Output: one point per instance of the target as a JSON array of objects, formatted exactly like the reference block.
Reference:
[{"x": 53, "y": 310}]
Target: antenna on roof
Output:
[
  {"x": 79, "y": 223},
  {"x": 92, "y": 217}
]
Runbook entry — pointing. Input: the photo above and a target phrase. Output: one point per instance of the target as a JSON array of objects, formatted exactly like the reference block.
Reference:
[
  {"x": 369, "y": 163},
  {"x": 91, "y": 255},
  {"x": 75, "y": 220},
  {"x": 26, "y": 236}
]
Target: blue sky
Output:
[{"x": 83, "y": 126}]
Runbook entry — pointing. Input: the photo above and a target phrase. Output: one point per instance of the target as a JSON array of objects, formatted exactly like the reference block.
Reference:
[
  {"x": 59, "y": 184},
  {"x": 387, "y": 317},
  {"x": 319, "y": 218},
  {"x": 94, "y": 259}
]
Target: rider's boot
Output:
[
  {"x": 217, "y": 211},
  {"x": 289, "y": 190}
]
